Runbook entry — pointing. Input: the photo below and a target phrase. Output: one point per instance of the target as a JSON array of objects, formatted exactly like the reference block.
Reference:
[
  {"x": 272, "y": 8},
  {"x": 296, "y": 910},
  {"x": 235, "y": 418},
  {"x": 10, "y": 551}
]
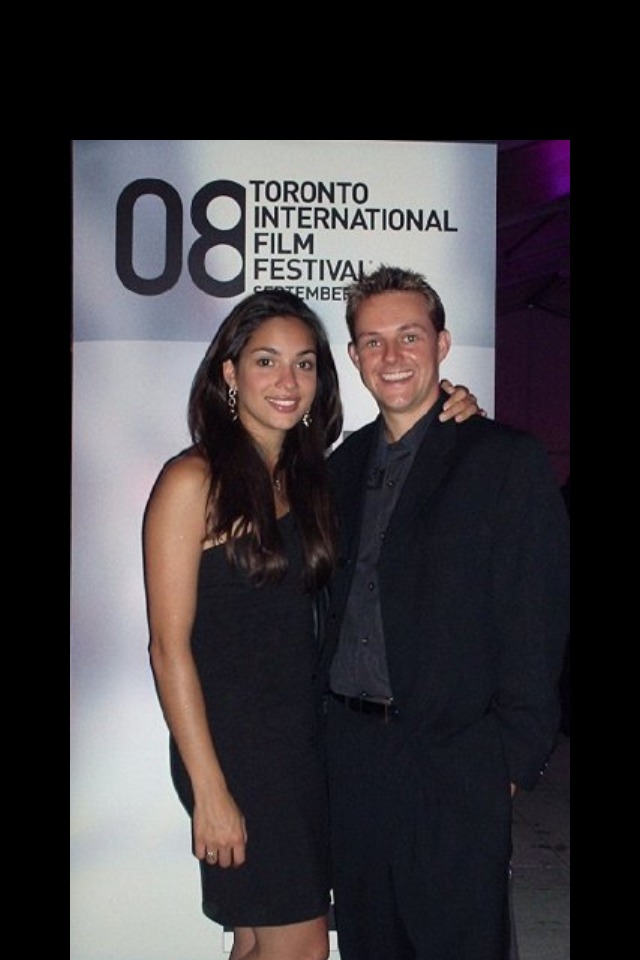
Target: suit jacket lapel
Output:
[
  {"x": 351, "y": 484},
  {"x": 427, "y": 471}
]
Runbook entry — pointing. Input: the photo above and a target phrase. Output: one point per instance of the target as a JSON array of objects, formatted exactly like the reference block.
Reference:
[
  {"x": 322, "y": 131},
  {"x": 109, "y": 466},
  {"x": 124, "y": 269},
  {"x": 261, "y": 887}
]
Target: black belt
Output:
[{"x": 383, "y": 711}]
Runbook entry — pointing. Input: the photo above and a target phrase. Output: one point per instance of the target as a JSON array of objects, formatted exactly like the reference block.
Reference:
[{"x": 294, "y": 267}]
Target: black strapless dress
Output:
[{"x": 255, "y": 651}]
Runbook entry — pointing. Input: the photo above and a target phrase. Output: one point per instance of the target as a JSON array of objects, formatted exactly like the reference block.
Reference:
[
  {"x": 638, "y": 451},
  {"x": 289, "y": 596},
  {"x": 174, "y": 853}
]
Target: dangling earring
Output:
[
  {"x": 231, "y": 403},
  {"x": 307, "y": 419}
]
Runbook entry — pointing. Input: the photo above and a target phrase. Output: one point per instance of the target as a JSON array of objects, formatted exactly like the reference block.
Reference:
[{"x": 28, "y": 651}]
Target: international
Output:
[{"x": 289, "y": 217}]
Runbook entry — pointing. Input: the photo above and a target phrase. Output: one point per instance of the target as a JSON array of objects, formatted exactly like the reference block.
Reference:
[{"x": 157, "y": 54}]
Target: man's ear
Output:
[
  {"x": 353, "y": 353},
  {"x": 444, "y": 344}
]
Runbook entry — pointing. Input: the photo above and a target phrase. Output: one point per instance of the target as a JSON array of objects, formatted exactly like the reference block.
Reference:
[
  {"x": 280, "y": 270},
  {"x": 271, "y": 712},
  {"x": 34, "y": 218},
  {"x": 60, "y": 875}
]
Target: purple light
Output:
[{"x": 554, "y": 166}]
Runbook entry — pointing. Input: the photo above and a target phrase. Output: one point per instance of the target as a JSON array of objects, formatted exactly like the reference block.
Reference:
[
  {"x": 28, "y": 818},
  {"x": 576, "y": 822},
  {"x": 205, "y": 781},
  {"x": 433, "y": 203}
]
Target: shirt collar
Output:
[{"x": 409, "y": 442}]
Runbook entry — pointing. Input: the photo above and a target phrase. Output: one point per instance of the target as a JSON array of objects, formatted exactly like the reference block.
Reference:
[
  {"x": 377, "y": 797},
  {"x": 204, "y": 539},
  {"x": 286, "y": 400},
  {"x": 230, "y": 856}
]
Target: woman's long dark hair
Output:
[{"x": 241, "y": 509}]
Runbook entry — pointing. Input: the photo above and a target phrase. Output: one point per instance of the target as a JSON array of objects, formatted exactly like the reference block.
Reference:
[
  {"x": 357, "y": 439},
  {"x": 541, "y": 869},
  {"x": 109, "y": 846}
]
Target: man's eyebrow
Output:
[{"x": 413, "y": 325}]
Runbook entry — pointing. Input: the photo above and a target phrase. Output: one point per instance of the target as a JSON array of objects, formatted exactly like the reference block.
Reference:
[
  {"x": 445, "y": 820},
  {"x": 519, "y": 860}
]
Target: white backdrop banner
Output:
[{"x": 168, "y": 235}]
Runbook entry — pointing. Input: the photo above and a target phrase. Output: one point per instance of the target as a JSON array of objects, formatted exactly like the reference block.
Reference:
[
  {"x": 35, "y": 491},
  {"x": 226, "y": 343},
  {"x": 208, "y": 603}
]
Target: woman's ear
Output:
[{"x": 229, "y": 373}]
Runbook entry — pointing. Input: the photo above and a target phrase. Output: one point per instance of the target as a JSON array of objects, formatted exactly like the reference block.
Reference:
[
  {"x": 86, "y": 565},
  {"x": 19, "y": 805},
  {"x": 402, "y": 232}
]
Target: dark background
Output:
[{"x": 533, "y": 307}]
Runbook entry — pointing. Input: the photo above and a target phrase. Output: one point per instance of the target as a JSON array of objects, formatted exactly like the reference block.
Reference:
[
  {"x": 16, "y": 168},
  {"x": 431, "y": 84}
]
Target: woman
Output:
[{"x": 238, "y": 536}]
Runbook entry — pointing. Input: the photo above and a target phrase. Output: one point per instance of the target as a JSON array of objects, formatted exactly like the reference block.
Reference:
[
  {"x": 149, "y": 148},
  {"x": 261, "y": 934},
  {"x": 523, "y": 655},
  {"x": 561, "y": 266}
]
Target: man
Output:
[{"x": 443, "y": 645}]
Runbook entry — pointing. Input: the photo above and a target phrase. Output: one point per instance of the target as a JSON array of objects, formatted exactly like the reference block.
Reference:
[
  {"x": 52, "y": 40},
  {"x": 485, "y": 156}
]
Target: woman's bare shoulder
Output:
[{"x": 186, "y": 475}]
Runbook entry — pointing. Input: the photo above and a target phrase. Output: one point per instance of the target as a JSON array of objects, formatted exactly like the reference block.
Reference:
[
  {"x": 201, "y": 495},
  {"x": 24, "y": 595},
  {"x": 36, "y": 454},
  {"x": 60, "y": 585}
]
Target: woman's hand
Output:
[
  {"x": 461, "y": 403},
  {"x": 219, "y": 831}
]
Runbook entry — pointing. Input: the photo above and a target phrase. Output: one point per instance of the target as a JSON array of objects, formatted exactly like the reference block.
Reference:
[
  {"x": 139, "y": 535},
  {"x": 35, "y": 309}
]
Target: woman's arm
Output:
[{"x": 174, "y": 531}]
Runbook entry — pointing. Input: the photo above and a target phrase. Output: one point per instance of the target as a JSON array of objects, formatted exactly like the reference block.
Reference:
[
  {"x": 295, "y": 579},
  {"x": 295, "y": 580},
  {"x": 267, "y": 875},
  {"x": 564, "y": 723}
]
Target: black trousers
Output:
[{"x": 404, "y": 876}]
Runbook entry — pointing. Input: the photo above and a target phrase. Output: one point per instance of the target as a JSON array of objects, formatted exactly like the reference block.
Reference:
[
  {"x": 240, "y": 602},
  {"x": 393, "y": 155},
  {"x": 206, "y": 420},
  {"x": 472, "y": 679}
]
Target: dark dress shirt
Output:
[{"x": 359, "y": 668}]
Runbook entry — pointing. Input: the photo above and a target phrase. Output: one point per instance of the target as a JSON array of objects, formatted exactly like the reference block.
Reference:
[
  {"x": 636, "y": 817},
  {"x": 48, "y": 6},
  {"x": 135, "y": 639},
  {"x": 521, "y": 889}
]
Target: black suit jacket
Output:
[{"x": 474, "y": 591}]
